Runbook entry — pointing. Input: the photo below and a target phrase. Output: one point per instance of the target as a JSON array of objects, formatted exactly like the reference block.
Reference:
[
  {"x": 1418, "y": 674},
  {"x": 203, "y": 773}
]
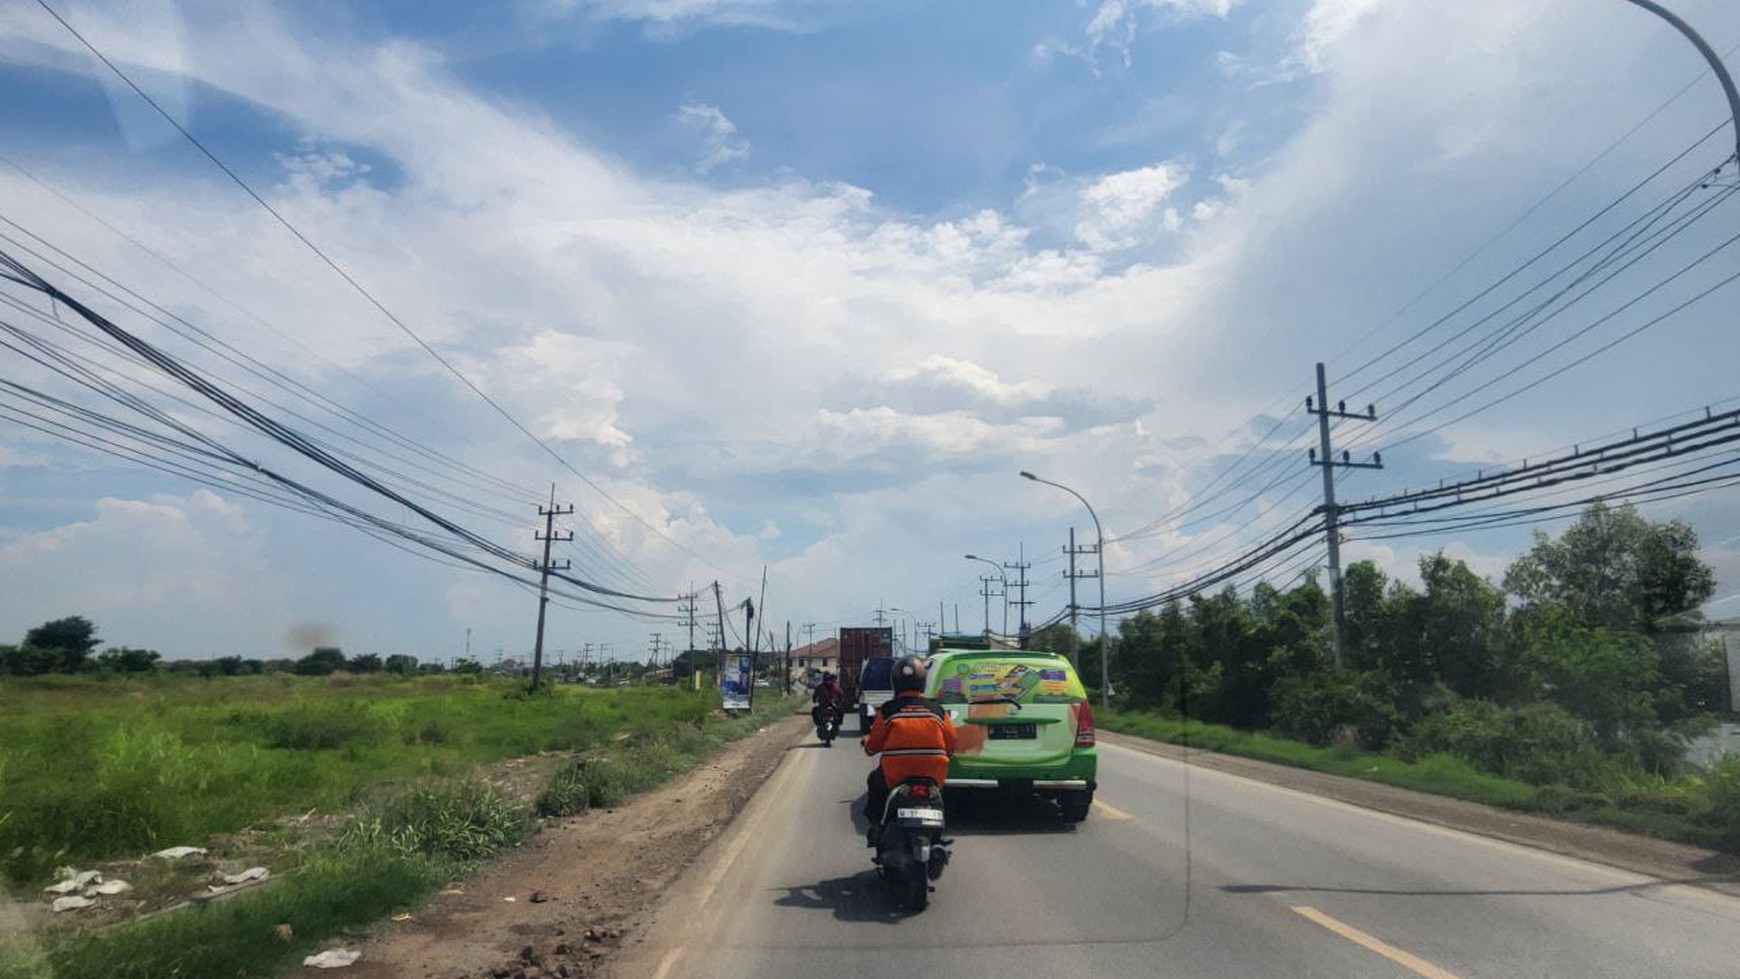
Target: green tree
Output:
[
  {"x": 322, "y": 661},
  {"x": 120, "y": 659},
  {"x": 73, "y": 638},
  {"x": 466, "y": 664},
  {"x": 28, "y": 660},
  {"x": 401, "y": 664},
  {"x": 1613, "y": 569},
  {"x": 1611, "y": 679},
  {"x": 1364, "y": 588},
  {"x": 364, "y": 663},
  {"x": 1451, "y": 632}
]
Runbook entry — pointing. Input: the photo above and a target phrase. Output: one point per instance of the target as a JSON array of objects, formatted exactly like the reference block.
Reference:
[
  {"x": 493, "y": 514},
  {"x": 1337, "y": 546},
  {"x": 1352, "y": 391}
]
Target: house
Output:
[{"x": 817, "y": 657}]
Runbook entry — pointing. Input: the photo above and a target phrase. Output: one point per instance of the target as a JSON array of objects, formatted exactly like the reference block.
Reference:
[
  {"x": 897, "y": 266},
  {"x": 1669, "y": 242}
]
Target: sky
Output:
[{"x": 802, "y": 285}]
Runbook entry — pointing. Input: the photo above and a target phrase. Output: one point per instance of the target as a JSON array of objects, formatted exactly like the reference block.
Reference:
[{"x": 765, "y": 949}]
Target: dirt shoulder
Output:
[
  {"x": 1676, "y": 862},
  {"x": 560, "y": 903}
]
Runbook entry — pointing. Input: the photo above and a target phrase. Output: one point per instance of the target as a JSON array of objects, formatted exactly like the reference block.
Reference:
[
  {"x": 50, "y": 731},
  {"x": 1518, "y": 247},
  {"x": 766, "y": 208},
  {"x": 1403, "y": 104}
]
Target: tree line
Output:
[{"x": 1585, "y": 657}]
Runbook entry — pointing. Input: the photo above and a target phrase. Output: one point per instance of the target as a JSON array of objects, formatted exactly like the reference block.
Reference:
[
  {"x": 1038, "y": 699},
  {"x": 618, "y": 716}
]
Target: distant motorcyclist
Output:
[
  {"x": 914, "y": 736},
  {"x": 828, "y": 698}
]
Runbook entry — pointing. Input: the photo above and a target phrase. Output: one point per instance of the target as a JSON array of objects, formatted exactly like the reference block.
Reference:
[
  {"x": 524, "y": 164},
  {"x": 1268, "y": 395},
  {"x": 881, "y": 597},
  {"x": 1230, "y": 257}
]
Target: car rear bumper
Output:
[{"x": 1040, "y": 784}]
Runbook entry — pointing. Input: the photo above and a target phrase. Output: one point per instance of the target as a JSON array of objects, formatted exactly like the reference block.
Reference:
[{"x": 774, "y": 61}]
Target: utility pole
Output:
[
  {"x": 1021, "y": 565},
  {"x": 785, "y": 674},
  {"x": 688, "y": 609},
  {"x": 1073, "y": 575},
  {"x": 549, "y": 536},
  {"x": 1331, "y": 531},
  {"x": 985, "y": 591},
  {"x": 880, "y": 615},
  {"x": 748, "y": 617}
]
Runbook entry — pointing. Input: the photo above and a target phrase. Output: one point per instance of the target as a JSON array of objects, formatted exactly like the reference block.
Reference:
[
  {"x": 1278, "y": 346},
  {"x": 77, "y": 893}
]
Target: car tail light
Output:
[{"x": 1084, "y": 725}]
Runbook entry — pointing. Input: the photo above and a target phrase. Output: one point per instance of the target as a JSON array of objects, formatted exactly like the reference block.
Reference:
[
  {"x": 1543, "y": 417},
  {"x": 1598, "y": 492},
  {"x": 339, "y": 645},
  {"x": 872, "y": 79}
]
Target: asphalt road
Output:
[{"x": 1176, "y": 873}]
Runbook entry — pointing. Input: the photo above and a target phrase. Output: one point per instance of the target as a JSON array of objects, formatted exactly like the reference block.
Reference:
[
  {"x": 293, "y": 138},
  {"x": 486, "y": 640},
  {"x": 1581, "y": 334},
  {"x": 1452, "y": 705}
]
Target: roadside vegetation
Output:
[
  {"x": 1574, "y": 688},
  {"x": 394, "y": 767}
]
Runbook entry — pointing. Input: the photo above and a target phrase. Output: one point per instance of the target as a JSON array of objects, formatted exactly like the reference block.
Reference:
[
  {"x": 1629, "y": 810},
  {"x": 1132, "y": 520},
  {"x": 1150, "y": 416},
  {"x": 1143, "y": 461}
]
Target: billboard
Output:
[{"x": 735, "y": 681}]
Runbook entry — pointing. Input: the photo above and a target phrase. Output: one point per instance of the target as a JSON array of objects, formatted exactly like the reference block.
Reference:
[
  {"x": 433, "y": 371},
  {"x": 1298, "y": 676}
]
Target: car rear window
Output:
[
  {"x": 1025, "y": 680},
  {"x": 878, "y": 673}
]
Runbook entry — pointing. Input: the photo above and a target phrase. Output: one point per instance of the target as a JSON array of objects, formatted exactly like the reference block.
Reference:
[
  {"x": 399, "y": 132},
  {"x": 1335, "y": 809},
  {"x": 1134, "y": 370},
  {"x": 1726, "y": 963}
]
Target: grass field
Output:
[
  {"x": 1701, "y": 808},
  {"x": 94, "y": 769},
  {"x": 91, "y": 769}
]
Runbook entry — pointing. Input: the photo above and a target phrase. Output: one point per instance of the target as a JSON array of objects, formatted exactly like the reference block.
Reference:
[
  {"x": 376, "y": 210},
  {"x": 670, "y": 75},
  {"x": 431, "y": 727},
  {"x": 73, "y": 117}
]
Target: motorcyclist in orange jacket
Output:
[{"x": 914, "y": 736}]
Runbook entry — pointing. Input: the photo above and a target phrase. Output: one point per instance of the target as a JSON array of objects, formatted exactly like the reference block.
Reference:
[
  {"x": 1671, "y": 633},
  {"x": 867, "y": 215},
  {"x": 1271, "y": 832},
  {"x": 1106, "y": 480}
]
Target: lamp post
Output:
[
  {"x": 1003, "y": 577},
  {"x": 1100, "y": 549},
  {"x": 914, "y": 619}
]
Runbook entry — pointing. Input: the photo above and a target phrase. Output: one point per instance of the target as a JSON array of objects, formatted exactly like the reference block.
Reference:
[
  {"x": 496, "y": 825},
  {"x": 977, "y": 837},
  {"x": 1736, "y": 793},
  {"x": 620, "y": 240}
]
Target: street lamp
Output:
[
  {"x": 1004, "y": 578},
  {"x": 914, "y": 619},
  {"x": 1100, "y": 549}
]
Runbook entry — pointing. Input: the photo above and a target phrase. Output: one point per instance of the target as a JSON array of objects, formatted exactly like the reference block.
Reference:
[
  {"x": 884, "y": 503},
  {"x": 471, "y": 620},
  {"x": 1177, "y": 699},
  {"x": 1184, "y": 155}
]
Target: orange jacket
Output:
[{"x": 914, "y": 737}]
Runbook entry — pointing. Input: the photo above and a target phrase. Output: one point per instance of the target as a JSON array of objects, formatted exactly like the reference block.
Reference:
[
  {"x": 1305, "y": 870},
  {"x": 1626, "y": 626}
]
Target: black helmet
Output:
[{"x": 908, "y": 674}]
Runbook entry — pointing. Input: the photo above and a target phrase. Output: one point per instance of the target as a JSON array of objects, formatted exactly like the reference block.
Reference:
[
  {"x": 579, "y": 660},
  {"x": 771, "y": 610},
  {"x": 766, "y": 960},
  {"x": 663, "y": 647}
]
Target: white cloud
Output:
[
  {"x": 1115, "y": 23},
  {"x": 658, "y": 326},
  {"x": 778, "y": 14},
  {"x": 1119, "y": 210},
  {"x": 981, "y": 382},
  {"x": 1327, "y": 25},
  {"x": 143, "y": 570},
  {"x": 720, "y": 143}
]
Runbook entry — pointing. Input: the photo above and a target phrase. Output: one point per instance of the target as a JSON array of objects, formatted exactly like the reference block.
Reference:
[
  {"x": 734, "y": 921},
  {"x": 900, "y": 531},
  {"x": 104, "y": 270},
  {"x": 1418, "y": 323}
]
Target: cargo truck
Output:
[{"x": 857, "y": 644}]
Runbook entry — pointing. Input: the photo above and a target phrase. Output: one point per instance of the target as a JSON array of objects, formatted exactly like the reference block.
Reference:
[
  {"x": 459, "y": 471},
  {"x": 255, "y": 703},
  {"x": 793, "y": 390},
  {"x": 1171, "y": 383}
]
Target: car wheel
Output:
[{"x": 1075, "y": 805}]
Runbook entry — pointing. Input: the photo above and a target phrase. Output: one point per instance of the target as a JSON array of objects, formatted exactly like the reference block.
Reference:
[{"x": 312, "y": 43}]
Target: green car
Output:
[{"x": 1022, "y": 722}]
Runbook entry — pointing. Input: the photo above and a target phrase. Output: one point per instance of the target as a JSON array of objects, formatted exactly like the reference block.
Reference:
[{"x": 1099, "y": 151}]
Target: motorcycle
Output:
[
  {"x": 827, "y": 723},
  {"x": 911, "y": 851}
]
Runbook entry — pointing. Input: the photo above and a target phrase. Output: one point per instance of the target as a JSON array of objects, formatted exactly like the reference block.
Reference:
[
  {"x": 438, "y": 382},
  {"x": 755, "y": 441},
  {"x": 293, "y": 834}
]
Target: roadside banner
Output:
[{"x": 734, "y": 684}]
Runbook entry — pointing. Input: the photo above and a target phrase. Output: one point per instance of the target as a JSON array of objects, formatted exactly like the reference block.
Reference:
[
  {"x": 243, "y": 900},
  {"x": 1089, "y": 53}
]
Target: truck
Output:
[{"x": 857, "y": 644}]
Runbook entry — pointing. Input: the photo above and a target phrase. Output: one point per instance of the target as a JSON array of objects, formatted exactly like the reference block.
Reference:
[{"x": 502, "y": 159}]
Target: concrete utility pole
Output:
[
  {"x": 880, "y": 615},
  {"x": 785, "y": 683},
  {"x": 749, "y": 637},
  {"x": 1074, "y": 609},
  {"x": 1021, "y": 565},
  {"x": 549, "y": 536},
  {"x": 687, "y": 607},
  {"x": 1331, "y": 531}
]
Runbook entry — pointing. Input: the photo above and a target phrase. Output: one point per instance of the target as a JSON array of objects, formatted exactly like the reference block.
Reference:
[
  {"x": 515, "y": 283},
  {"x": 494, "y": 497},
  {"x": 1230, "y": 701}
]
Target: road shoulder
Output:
[
  {"x": 562, "y": 903},
  {"x": 1664, "y": 859}
]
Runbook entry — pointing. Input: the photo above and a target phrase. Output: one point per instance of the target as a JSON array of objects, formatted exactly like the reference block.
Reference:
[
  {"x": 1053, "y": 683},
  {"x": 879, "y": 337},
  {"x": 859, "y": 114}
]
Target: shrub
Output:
[
  {"x": 1322, "y": 708},
  {"x": 323, "y": 728},
  {"x": 1722, "y": 789},
  {"x": 566, "y": 792},
  {"x": 1560, "y": 799},
  {"x": 460, "y": 820},
  {"x": 1541, "y": 744}
]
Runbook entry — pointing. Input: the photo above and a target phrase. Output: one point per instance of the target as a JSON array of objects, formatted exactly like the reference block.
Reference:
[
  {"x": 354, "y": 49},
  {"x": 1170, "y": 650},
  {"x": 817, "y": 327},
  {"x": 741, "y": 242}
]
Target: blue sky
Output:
[{"x": 803, "y": 284}]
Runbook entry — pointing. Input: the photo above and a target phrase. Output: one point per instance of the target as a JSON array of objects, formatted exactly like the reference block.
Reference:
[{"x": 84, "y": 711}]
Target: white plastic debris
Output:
[
  {"x": 71, "y": 902},
  {"x": 109, "y": 888},
  {"x": 252, "y": 873},
  {"x": 332, "y": 958},
  {"x": 74, "y": 880},
  {"x": 178, "y": 852}
]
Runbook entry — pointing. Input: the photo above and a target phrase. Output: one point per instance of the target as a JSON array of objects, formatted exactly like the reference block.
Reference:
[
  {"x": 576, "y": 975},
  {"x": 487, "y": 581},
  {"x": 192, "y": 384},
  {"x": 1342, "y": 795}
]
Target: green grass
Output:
[
  {"x": 93, "y": 769},
  {"x": 412, "y": 837},
  {"x": 1662, "y": 808}
]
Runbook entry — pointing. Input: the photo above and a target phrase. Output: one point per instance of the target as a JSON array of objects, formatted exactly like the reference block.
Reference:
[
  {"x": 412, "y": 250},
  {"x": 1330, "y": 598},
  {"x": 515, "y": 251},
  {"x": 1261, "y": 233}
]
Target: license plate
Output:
[
  {"x": 926, "y": 816},
  {"x": 1011, "y": 732}
]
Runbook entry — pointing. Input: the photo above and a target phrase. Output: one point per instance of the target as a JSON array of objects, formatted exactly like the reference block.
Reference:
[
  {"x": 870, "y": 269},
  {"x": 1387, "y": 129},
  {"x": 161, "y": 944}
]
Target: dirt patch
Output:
[
  {"x": 1675, "y": 862},
  {"x": 558, "y": 904}
]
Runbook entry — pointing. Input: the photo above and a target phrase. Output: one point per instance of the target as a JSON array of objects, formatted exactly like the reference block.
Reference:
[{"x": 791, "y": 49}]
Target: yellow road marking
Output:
[
  {"x": 1379, "y": 946},
  {"x": 1110, "y": 811}
]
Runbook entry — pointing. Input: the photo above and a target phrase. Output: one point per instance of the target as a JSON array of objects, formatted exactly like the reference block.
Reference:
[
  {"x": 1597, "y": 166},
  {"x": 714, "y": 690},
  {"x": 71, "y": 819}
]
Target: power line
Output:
[{"x": 360, "y": 290}]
